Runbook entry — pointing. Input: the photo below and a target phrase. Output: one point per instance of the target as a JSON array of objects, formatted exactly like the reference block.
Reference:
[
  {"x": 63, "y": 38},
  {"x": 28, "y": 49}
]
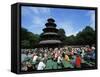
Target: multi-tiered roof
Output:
[{"x": 50, "y": 33}]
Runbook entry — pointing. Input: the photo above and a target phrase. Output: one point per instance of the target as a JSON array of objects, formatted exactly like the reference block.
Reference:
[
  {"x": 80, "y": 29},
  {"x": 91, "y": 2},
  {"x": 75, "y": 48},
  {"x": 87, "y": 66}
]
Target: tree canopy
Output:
[
  {"x": 28, "y": 39},
  {"x": 85, "y": 37}
]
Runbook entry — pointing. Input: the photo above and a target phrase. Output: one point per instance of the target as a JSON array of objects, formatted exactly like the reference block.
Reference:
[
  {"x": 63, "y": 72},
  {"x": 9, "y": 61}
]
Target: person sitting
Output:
[
  {"x": 29, "y": 67},
  {"x": 35, "y": 58},
  {"x": 78, "y": 61},
  {"x": 66, "y": 57},
  {"x": 41, "y": 65}
]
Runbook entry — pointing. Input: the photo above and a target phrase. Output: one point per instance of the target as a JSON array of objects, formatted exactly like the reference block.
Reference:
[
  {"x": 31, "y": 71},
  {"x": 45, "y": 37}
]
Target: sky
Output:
[{"x": 71, "y": 20}]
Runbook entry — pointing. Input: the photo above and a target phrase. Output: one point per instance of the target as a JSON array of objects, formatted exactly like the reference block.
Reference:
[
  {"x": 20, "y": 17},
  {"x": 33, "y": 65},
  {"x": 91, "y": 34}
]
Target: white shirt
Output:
[
  {"x": 59, "y": 59},
  {"x": 35, "y": 58},
  {"x": 83, "y": 53},
  {"x": 41, "y": 66}
]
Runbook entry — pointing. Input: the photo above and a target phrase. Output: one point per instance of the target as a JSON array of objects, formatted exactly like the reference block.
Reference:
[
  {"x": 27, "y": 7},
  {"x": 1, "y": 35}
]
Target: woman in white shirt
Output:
[{"x": 41, "y": 65}]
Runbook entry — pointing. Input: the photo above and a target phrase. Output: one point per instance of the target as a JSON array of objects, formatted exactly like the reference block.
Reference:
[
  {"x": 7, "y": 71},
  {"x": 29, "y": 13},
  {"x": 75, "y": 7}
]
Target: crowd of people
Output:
[{"x": 57, "y": 58}]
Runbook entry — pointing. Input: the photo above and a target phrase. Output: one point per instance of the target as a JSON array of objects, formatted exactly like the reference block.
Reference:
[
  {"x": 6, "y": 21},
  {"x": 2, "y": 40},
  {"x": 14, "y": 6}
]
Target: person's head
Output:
[
  {"x": 63, "y": 55},
  {"x": 42, "y": 60},
  {"x": 23, "y": 63},
  {"x": 93, "y": 48},
  {"x": 26, "y": 52},
  {"x": 36, "y": 54},
  {"x": 78, "y": 55},
  {"x": 29, "y": 64}
]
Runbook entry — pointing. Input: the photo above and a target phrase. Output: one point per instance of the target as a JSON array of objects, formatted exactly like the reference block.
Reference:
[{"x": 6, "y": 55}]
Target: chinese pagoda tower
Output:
[{"x": 50, "y": 36}]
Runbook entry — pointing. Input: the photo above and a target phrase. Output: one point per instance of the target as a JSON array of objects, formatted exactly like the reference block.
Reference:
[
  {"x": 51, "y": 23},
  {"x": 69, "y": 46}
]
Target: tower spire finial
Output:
[{"x": 51, "y": 20}]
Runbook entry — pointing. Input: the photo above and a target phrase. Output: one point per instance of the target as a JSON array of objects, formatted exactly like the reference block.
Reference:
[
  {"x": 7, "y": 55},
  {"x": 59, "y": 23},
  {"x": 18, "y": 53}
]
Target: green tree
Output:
[
  {"x": 62, "y": 36},
  {"x": 70, "y": 40},
  {"x": 86, "y": 36},
  {"x": 28, "y": 39}
]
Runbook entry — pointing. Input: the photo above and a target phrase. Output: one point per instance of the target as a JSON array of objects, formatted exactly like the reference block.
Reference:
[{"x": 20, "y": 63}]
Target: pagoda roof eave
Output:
[{"x": 50, "y": 42}]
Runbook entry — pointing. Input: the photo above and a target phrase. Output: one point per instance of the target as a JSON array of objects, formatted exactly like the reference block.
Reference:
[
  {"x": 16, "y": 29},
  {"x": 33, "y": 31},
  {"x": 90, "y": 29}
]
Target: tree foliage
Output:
[
  {"x": 85, "y": 37},
  {"x": 28, "y": 39},
  {"x": 61, "y": 33}
]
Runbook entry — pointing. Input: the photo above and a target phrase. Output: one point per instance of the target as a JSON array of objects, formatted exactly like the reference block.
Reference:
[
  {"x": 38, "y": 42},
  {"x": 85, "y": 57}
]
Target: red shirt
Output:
[{"x": 78, "y": 61}]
